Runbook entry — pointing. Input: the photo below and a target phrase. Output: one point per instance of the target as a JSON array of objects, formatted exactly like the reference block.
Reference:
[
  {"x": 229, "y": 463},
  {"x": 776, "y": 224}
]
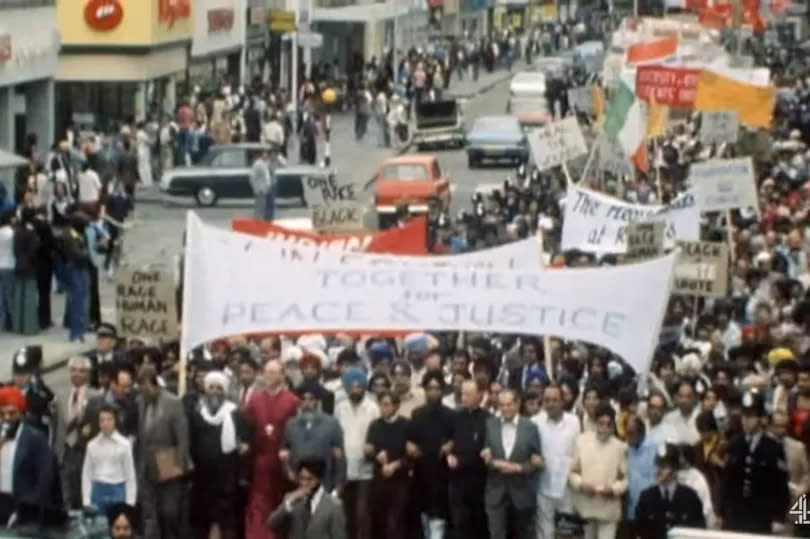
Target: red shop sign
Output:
[
  {"x": 171, "y": 10},
  {"x": 103, "y": 15},
  {"x": 673, "y": 86}
]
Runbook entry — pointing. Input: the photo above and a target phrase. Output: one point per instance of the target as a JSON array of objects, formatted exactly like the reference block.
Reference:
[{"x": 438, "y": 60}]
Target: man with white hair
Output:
[
  {"x": 71, "y": 435},
  {"x": 218, "y": 435}
]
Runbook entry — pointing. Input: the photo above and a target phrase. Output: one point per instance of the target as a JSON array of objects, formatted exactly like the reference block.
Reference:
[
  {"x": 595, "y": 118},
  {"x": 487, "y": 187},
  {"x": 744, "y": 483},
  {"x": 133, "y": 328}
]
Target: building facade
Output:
[
  {"x": 29, "y": 53},
  {"x": 121, "y": 60},
  {"x": 217, "y": 43}
]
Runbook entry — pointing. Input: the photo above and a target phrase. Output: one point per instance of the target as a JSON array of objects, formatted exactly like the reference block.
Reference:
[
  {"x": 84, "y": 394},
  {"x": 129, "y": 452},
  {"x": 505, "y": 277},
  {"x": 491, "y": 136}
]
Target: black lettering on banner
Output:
[
  {"x": 401, "y": 314},
  {"x": 145, "y": 302}
]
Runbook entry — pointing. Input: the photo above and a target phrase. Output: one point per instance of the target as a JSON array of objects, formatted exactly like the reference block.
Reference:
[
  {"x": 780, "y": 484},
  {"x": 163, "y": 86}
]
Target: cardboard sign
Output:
[
  {"x": 582, "y": 99},
  {"x": 597, "y": 223},
  {"x": 325, "y": 190},
  {"x": 702, "y": 269},
  {"x": 724, "y": 184},
  {"x": 719, "y": 126},
  {"x": 610, "y": 156},
  {"x": 556, "y": 143},
  {"x": 336, "y": 217},
  {"x": 673, "y": 86},
  {"x": 644, "y": 240},
  {"x": 145, "y": 303}
]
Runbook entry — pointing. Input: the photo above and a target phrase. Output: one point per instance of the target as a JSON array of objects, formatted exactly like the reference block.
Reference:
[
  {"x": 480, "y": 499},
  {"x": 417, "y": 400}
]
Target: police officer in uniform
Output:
[
  {"x": 42, "y": 409},
  {"x": 667, "y": 504},
  {"x": 756, "y": 496},
  {"x": 106, "y": 351}
]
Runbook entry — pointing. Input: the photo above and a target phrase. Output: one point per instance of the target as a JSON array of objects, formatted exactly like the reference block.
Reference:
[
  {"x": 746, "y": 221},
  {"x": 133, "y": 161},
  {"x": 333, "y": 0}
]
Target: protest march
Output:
[{"x": 608, "y": 340}]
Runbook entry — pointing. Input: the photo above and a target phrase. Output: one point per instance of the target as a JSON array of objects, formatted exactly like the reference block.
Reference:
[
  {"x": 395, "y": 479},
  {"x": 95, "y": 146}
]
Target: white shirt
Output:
[
  {"x": 7, "y": 454},
  {"x": 508, "y": 435},
  {"x": 89, "y": 186},
  {"x": 108, "y": 459},
  {"x": 355, "y": 420},
  {"x": 450, "y": 401},
  {"x": 691, "y": 477},
  {"x": 662, "y": 432},
  {"x": 6, "y": 248},
  {"x": 684, "y": 427},
  {"x": 557, "y": 439}
]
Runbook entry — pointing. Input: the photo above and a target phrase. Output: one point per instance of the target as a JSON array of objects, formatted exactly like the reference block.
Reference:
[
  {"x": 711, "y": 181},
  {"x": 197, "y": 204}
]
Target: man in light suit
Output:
[
  {"x": 72, "y": 431},
  {"x": 310, "y": 511},
  {"x": 163, "y": 450},
  {"x": 513, "y": 457}
]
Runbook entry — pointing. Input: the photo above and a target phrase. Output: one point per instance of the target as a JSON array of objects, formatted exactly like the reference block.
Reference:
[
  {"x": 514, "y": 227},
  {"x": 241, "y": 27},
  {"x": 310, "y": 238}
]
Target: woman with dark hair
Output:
[
  {"x": 378, "y": 384},
  {"x": 122, "y": 520},
  {"x": 710, "y": 453},
  {"x": 570, "y": 393},
  {"x": 25, "y": 302}
]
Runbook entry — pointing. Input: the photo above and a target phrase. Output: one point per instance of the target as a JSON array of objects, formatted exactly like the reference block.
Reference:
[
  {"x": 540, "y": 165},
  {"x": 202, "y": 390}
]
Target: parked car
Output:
[
  {"x": 412, "y": 180},
  {"x": 438, "y": 123},
  {"x": 496, "y": 138}
]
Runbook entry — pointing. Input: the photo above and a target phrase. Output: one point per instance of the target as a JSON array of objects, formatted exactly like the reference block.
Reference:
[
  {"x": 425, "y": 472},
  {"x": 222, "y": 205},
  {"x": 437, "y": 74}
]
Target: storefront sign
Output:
[
  {"x": 5, "y": 47},
  {"x": 220, "y": 20},
  {"x": 671, "y": 86},
  {"x": 169, "y": 11},
  {"x": 103, "y": 15}
]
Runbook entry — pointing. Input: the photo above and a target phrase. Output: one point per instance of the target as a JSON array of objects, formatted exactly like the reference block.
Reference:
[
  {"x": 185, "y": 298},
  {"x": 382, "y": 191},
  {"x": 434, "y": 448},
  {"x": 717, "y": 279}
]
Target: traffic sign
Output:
[
  {"x": 282, "y": 21},
  {"x": 310, "y": 40}
]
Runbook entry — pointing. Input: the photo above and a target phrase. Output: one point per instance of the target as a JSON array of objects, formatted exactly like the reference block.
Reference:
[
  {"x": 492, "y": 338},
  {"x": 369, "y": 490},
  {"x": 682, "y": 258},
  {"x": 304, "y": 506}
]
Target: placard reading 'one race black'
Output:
[
  {"x": 145, "y": 303},
  {"x": 326, "y": 189}
]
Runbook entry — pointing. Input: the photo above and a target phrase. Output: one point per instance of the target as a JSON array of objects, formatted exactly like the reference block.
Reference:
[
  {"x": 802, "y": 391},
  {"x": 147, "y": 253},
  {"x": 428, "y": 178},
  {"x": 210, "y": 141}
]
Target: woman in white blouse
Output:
[{"x": 108, "y": 474}]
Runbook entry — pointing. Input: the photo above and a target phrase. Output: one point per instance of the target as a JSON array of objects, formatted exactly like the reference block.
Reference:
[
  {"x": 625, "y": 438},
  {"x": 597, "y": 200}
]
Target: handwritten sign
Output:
[
  {"x": 582, "y": 99},
  {"x": 145, "y": 303},
  {"x": 337, "y": 217},
  {"x": 702, "y": 269},
  {"x": 724, "y": 184},
  {"x": 325, "y": 190},
  {"x": 719, "y": 126},
  {"x": 597, "y": 223},
  {"x": 644, "y": 240},
  {"x": 556, "y": 143},
  {"x": 610, "y": 156}
]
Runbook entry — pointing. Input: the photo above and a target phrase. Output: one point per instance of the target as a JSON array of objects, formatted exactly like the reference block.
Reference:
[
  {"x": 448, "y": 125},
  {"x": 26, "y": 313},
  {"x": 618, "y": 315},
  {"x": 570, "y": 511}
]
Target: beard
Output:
[{"x": 214, "y": 403}]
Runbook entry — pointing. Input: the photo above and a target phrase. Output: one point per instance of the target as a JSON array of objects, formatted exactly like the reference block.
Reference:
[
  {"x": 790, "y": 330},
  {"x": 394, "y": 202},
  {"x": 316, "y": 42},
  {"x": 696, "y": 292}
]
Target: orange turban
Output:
[{"x": 11, "y": 396}]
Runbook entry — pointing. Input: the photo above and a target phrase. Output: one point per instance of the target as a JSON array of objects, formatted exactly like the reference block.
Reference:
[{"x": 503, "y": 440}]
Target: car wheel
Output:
[
  {"x": 471, "y": 161},
  {"x": 421, "y": 147},
  {"x": 206, "y": 196}
]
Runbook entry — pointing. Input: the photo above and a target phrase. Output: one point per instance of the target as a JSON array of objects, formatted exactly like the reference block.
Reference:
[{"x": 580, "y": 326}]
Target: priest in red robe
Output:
[{"x": 268, "y": 411}]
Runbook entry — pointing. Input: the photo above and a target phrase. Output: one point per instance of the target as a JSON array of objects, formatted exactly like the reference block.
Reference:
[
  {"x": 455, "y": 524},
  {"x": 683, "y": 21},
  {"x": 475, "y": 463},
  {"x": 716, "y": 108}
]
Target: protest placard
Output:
[
  {"x": 610, "y": 156},
  {"x": 718, "y": 126},
  {"x": 325, "y": 190},
  {"x": 145, "y": 303},
  {"x": 321, "y": 296},
  {"x": 338, "y": 217},
  {"x": 702, "y": 269},
  {"x": 644, "y": 240},
  {"x": 724, "y": 184},
  {"x": 582, "y": 99},
  {"x": 556, "y": 143},
  {"x": 673, "y": 86},
  {"x": 597, "y": 223}
]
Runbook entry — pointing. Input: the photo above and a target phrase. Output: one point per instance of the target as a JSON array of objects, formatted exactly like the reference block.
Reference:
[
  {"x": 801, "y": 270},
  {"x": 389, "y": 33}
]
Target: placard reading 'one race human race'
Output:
[{"x": 145, "y": 303}]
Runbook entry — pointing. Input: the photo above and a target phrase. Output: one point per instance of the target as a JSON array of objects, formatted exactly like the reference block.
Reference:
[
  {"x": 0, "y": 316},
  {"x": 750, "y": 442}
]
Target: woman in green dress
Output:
[{"x": 25, "y": 314}]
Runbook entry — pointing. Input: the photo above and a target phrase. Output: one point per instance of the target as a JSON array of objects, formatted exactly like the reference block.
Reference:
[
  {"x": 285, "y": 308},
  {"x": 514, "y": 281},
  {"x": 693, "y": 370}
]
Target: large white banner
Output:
[
  {"x": 236, "y": 285},
  {"x": 595, "y": 223}
]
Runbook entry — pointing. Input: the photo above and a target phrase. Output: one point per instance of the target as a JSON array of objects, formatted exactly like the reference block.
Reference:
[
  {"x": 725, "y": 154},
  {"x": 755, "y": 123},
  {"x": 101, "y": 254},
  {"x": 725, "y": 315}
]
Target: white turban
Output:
[{"x": 216, "y": 378}]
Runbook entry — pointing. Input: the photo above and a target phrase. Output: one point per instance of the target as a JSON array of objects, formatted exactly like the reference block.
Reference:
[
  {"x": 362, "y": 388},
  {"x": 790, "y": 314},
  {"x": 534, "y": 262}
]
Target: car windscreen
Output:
[{"x": 405, "y": 171}]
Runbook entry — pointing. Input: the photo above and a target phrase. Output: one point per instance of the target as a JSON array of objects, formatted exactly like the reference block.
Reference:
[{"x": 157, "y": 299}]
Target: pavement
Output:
[{"x": 157, "y": 226}]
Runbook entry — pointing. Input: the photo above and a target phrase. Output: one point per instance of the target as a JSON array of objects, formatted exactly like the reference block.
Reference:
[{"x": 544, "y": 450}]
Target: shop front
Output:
[
  {"x": 216, "y": 45},
  {"x": 121, "y": 61},
  {"x": 28, "y": 60},
  {"x": 257, "y": 42},
  {"x": 473, "y": 15}
]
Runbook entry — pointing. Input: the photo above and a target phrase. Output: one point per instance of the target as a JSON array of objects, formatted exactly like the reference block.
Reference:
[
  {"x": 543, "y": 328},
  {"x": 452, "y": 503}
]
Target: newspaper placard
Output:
[
  {"x": 702, "y": 269},
  {"x": 582, "y": 99},
  {"x": 145, "y": 303},
  {"x": 597, "y": 223},
  {"x": 556, "y": 143},
  {"x": 610, "y": 156},
  {"x": 724, "y": 184},
  {"x": 338, "y": 217},
  {"x": 719, "y": 126},
  {"x": 325, "y": 190},
  {"x": 644, "y": 240}
]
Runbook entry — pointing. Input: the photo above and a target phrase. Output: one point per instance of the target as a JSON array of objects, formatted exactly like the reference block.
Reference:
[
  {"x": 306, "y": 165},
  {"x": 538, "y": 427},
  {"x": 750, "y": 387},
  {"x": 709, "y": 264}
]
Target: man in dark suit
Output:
[
  {"x": 29, "y": 484},
  {"x": 667, "y": 504},
  {"x": 106, "y": 352},
  {"x": 513, "y": 457},
  {"x": 120, "y": 396},
  {"x": 756, "y": 483},
  {"x": 310, "y": 511},
  {"x": 41, "y": 411}
]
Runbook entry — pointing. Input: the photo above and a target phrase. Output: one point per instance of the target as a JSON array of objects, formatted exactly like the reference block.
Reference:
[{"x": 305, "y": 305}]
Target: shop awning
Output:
[
  {"x": 359, "y": 13},
  {"x": 11, "y": 160}
]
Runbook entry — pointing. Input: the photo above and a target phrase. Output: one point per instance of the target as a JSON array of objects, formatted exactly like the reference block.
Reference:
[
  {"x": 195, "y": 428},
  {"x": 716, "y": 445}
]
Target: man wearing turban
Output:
[{"x": 27, "y": 464}]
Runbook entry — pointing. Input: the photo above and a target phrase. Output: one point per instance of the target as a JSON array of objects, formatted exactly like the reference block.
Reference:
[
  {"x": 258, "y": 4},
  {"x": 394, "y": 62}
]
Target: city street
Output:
[{"x": 156, "y": 234}]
